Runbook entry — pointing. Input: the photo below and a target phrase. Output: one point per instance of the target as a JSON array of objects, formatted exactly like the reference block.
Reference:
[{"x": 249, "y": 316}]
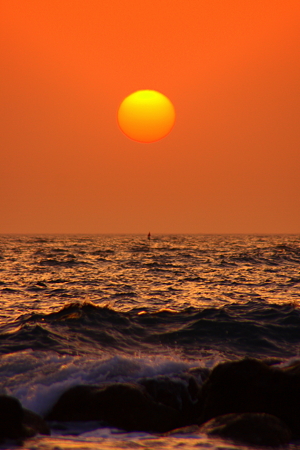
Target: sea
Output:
[{"x": 91, "y": 309}]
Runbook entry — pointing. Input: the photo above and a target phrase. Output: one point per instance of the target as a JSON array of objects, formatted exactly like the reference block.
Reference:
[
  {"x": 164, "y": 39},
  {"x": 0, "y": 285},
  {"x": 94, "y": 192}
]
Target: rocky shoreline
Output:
[{"x": 248, "y": 401}]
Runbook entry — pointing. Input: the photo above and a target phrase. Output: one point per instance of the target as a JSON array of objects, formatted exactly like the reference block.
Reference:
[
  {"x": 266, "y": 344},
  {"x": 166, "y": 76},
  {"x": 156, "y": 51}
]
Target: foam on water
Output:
[{"x": 38, "y": 379}]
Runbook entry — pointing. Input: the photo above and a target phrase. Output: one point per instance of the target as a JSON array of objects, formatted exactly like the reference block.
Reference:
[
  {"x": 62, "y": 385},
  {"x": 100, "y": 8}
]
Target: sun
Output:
[{"x": 146, "y": 116}]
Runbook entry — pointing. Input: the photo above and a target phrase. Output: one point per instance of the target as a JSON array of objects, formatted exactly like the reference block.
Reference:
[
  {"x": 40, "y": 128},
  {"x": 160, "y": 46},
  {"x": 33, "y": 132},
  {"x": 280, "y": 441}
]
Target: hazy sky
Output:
[{"x": 231, "y": 163}]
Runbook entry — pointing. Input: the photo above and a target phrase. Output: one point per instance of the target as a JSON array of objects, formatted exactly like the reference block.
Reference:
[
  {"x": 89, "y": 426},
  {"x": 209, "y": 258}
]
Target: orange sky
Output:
[{"x": 230, "y": 165}]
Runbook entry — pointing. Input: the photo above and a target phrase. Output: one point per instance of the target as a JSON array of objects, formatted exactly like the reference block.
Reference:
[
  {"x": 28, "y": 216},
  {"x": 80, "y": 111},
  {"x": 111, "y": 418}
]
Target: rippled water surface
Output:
[
  {"x": 129, "y": 272},
  {"x": 91, "y": 309}
]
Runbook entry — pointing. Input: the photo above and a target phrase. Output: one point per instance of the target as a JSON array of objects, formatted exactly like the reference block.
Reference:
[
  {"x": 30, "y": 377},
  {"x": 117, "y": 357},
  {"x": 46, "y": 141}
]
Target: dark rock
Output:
[
  {"x": 257, "y": 429},
  {"x": 200, "y": 373},
  {"x": 123, "y": 405},
  {"x": 11, "y": 415},
  {"x": 249, "y": 428},
  {"x": 190, "y": 429},
  {"x": 35, "y": 422},
  {"x": 250, "y": 385},
  {"x": 181, "y": 394},
  {"x": 17, "y": 423},
  {"x": 272, "y": 361}
]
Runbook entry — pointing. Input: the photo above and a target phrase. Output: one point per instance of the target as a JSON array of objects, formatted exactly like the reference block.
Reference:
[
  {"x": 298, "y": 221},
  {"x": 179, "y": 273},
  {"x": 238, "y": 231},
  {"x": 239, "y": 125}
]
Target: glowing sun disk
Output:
[{"x": 146, "y": 116}]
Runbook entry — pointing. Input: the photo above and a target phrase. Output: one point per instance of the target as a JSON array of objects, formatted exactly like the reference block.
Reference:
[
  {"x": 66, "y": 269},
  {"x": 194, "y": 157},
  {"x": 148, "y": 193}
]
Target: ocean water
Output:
[{"x": 90, "y": 309}]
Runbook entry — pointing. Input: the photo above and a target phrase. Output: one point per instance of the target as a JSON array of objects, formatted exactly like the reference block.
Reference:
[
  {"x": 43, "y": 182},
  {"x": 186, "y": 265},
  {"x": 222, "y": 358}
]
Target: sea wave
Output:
[
  {"x": 252, "y": 329},
  {"x": 38, "y": 378}
]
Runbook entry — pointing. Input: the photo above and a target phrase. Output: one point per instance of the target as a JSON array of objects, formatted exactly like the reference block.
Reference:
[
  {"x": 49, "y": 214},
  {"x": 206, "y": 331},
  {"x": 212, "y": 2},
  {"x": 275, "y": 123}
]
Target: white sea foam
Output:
[{"x": 38, "y": 379}]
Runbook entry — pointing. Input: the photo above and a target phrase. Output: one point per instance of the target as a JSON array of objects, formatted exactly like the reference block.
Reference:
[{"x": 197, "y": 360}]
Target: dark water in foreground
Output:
[{"x": 91, "y": 309}]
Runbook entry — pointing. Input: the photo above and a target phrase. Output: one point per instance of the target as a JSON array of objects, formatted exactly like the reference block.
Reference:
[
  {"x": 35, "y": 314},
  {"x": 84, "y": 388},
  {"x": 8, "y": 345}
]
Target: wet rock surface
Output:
[
  {"x": 124, "y": 405},
  {"x": 250, "y": 401},
  {"x": 249, "y": 428},
  {"x": 17, "y": 423},
  {"x": 35, "y": 422},
  {"x": 250, "y": 385},
  {"x": 182, "y": 395}
]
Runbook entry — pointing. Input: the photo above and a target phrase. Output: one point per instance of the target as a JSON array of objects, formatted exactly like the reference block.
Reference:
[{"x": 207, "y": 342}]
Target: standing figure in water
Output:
[{"x": 149, "y": 236}]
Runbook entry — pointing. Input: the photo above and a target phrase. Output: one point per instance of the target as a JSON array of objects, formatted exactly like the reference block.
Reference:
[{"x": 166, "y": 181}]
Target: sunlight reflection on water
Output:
[
  {"x": 130, "y": 442},
  {"x": 127, "y": 272}
]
